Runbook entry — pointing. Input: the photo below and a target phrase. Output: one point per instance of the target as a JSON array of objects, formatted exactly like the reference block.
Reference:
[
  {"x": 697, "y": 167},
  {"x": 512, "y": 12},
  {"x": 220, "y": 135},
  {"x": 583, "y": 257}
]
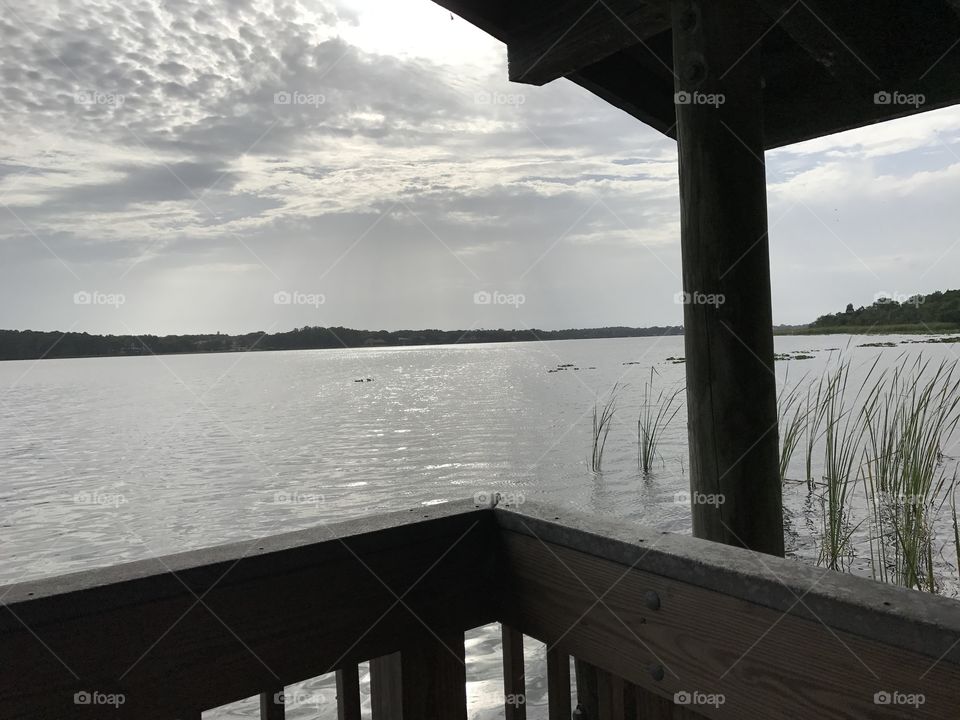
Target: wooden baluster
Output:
[
  {"x": 271, "y": 704},
  {"x": 348, "y": 693},
  {"x": 514, "y": 680},
  {"x": 587, "y": 699},
  {"x": 558, "y": 685},
  {"x": 386, "y": 699},
  {"x": 435, "y": 678}
]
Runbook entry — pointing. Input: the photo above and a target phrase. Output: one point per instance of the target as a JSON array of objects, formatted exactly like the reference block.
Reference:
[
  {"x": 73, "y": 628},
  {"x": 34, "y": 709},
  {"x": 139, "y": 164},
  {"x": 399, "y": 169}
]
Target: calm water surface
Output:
[{"x": 111, "y": 459}]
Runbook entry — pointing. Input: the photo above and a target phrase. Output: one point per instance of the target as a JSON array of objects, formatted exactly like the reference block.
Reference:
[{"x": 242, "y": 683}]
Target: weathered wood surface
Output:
[
  {"x": 731, "y": 387},
  {"x": 434, "y": 677},
  {"x": 348, "y": 692},
  {"x": 558, "y": 684},
  {"x": 551, "y": 40},
  {"x": 241, "y": 617},
  {"x": 386, "y": 687},
  {"x": 764, "y": 662},
  {"x": 514, "y": 675}
]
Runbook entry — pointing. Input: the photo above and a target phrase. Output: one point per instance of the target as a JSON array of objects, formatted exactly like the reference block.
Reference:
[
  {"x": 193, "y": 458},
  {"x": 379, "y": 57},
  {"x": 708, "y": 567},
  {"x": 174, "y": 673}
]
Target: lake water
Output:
[{"x": 111, "y": 459}]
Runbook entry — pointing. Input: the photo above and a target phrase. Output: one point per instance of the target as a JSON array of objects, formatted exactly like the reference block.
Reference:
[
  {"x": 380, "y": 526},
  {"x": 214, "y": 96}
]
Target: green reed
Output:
[{"x": 655, "y": 417}]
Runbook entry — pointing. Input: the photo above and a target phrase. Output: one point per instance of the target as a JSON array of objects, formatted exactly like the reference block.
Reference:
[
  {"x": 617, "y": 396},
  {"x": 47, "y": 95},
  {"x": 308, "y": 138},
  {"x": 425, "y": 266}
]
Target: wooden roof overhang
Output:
[{"x": 829, "y": 65}]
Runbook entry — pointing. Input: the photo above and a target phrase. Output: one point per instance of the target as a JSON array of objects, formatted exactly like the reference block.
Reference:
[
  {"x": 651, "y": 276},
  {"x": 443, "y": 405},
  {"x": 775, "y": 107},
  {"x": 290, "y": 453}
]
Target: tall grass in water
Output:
[
  {"x": 602, "y": 417},
  {"x": 655, "y": 417},
  {"x": 909, "y": 421},
  {"x": 843, "y": 433},
  {"x": 792, "y": 419}
]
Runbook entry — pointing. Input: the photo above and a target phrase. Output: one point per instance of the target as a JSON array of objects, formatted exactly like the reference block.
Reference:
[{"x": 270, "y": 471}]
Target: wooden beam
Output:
[
  {"x": 434, "y": 678},
  {"x": 514, "y": 675},
  {"x": 386, "y": 688},
  {"x": 731, "y": 388},
  {"x": 348, "y": 692},
  {"x": 558, "y": 684},
  {"x": 817, "y": 28},
  {"x": 555, "y": 39},
  {"x": 764, "y": 662}
]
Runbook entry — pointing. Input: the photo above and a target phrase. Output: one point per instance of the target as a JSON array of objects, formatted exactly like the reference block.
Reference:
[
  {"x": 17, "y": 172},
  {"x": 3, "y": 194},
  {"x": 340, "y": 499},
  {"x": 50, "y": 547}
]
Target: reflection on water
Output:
[{"x": 112, "y": 459}]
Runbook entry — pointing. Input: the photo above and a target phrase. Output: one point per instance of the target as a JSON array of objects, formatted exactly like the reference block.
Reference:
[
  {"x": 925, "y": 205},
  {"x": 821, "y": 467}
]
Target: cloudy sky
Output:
[{"x": 192, "y": 165}]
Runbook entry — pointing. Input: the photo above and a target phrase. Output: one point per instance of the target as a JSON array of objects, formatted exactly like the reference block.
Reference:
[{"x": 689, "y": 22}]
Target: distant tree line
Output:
[
  {"x": 936, "y": 310},
  {"x": 31, "y": 344}
]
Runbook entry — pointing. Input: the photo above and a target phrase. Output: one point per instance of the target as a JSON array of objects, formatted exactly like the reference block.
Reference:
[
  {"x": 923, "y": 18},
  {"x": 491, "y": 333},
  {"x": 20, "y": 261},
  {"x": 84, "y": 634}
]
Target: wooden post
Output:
[
  {"x": 558, "y": 684},
  {"x": 386, "y": 702},
  {"x": 348, "y": 692},
  {"x": 271, "y": 704},
  {"x": 728, "y": 324},
  {"x": 435, "y": 678},
  {"x": 514, "y": 676}
]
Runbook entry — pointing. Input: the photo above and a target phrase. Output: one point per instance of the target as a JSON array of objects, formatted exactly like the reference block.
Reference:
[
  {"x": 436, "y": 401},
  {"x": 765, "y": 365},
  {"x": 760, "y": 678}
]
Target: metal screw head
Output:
[
  {"x": 651, "y": 600},
  {"x": 656, "y": 672}
]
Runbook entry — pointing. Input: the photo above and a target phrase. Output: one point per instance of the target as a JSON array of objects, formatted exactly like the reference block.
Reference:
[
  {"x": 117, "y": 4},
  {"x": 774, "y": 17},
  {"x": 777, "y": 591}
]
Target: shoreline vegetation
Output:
[{"x": 937, "y": 313}]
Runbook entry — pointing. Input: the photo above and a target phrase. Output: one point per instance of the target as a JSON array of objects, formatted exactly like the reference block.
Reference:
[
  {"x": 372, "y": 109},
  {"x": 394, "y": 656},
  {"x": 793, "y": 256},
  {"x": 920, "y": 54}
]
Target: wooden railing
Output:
[{"x": 660, "y": 626}]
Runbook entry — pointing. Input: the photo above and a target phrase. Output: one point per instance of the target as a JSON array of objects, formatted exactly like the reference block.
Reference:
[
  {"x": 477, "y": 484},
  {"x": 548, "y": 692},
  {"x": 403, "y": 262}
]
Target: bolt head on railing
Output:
[
  {"x": 651, "y": 600},
  {"x": 578, "y": 714}
]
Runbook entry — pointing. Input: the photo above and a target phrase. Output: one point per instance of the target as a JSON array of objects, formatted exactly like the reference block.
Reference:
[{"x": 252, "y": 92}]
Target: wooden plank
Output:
[
  {"x": 731, "y": 387},
  {"x": 825, "y": 36},
  {"x": 434, "y": 678},
  {"x": 514, "y": 680},
  {"x": 272, "y": 706},
  {"x": 348, "y": 692},
  {"x": 550, "y": 40},
  {"x": 763, "y": 662},
  {"x": 386, "y": 684},
  {"x": 558, "y": 684},
  {"x": 300, "y": 607}
]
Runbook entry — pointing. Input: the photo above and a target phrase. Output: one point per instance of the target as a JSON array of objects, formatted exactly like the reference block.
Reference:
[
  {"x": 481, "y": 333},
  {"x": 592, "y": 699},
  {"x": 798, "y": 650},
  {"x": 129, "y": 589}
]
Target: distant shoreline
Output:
[{"x": 35, "y": 345}]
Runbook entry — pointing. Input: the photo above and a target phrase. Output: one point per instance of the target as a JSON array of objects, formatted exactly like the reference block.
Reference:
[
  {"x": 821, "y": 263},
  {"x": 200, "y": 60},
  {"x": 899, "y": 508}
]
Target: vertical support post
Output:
[
  {"x": 435, "y": 678},
  {"x": 514, "y": 679},
  {"x": 587, "y": 699},
  {"x": 386, "y": 681},
  {"x": 348, "y": 693},
  {"x": 558, "y": 684},
  {"x": 271, "y": 704},
  {"x": 728, "y": 323}
]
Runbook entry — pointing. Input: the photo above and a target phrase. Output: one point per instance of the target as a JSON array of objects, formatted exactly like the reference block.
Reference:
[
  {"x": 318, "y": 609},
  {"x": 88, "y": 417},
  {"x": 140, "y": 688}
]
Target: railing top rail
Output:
[{"x": 899, "y": 617}]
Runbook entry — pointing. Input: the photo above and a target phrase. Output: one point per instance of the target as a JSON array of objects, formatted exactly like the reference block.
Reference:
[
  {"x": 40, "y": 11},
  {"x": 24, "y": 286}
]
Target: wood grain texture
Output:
[
  {"x": 434, "y": 678},
  {"x": 731, "y": 387},
  {"x": 386, "y": 683},
  {"x": 348, "y": 692},
  {"x": 558, "y": 685},
  {"x": 514, "y": 674},
  {"x": 766, "y": 664}
]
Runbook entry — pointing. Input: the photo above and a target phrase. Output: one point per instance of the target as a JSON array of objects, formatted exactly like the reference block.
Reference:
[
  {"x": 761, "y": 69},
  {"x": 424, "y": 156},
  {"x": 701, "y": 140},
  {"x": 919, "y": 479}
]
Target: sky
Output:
[{"x": 202, "y": 166}]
